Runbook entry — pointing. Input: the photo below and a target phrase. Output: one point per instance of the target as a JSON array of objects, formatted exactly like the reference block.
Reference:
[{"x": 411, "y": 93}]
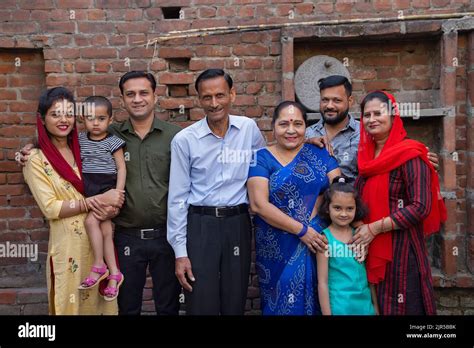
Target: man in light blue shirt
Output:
[{"x": 209, "y": 225}]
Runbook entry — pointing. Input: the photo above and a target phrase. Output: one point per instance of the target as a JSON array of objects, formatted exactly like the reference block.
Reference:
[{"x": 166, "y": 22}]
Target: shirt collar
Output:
[
  {"x": 203, "y": 130},
  {"x": 127, "y": 125}
]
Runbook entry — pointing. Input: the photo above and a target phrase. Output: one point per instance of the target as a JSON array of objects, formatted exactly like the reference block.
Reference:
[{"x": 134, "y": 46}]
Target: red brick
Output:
[
  {"x": 20, "y": 201},
  {"x": 196, "y": 114},
  {"x": 109, "y": 80},
  {"x": 7, "y": 94},
  {"x": 176, "y": 103},
  {"x": 178, "y": 90},
  {"x": 213, "y": 51},
  {"x": 254, "y": 111},
  {"x": 226, "y": 12},
  {"x": 14, "y": 190},
  {"x": 58, "y": 27},
  {"x": 12, "y": 212},
  {"x": 244, "y": 100},
  {"x": 250, "y": 63},
  {"x": 34, "y": 5},
  {"x": 133, "y": 14},
  {"x": 304, "y": 9},
  {"x": 170, "y": 52},
  {"x": 96, "y": 15},
  {"x": 176, "y": 78},
  {"x": 25, "y": 224},
  {"x": 246, "y": 12},
  {"x": 421, "y": 3},
  {"x": 381, "y": 5},
  {"x": 284, "y": 10},
  {"x": 209, "y": 23},
  {"x": 117, "y": 40},
  {"x": 40, "y": 15},
  {"x": 207, "y": 12},
  {"x": 94, "y": 53},
  {"x": 269, "y": 100},
  {"x": 325, "y": 7},
  {"x": 401, "y": 4},
  {"x": 202, "y": 64},
  {"x": 253, "y": 88},
  {"x": 268, "y": 75},
  {"x": 381, "y": 61},
  {"x": 73, "y": 4},
  {"x": 134, "y": 27},
  {"x": 417, "y": 84},
  {"x": 343, "y": 7},
  {"x": 16, "y": 178},
  {"x": 440, "y": 3},
  {"x": 9, "y": 118},
  {"x": 388, "y": 85},
  {"x": 7, "y": 296},
  {"x": 17, "y": 28},
  {"x": 101, "y": 67},
  {"x": 39, "y": 235},
  {"x": 252, "y": 49},
  {"x": 83, "y": 66},
  {"x": 20, "y": 130},
  {"x": 9, "y": 143}
]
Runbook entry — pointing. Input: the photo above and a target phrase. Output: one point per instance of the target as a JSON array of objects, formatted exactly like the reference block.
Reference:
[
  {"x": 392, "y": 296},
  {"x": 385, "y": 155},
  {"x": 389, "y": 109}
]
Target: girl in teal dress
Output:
[{"x": 342, "y": 280}]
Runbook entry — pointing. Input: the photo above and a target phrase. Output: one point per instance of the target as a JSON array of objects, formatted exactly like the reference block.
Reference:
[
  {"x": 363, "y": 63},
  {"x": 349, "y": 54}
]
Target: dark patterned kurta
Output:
[{"x": 408, "y": 284}]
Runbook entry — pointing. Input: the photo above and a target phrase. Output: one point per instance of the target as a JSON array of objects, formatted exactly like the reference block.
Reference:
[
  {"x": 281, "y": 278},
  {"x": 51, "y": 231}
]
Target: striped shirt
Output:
[
  {"x": 410, "y": 204},
  {"x": 97, "y": 155}
]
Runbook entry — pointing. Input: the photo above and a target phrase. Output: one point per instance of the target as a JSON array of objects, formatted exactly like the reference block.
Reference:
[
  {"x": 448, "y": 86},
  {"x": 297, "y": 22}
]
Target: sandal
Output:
[
  {"x": 89, "y": 282},
  {"x": 111, "y": 292}
]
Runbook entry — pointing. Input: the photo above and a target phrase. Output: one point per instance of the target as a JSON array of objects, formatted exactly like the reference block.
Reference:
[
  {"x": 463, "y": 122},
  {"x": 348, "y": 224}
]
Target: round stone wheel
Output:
[{"x": 308, "y": 75}]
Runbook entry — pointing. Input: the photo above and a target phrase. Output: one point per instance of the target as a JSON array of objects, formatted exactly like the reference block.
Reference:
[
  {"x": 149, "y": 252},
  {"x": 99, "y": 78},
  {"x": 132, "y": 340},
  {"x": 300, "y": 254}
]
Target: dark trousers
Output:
[
  {"x": 219, "y": 251},
  {"x": 134, "y": 255},
  {"x": 414, "y": 301}
]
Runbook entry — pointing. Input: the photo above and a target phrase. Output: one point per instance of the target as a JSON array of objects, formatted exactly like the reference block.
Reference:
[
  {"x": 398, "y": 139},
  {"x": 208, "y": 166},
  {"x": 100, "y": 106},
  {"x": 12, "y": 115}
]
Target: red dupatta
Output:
[
  {"x": 396, "y": 151},
  {"x": 57, "y": 160}
]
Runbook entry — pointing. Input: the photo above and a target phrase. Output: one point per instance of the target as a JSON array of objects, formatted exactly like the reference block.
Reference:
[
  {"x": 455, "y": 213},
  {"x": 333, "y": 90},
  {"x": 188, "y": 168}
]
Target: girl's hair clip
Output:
[{"x": 343, "y": 180}]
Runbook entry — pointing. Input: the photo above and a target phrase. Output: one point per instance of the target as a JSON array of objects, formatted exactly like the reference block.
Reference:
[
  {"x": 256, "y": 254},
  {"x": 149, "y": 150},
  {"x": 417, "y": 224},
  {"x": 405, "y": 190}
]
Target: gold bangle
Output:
[{"x": 85, "y": 205}]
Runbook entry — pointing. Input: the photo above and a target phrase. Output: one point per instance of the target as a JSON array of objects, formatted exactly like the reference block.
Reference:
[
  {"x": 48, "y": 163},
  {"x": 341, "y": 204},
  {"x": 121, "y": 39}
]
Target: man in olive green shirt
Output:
[{"x": 140, "y": 227}]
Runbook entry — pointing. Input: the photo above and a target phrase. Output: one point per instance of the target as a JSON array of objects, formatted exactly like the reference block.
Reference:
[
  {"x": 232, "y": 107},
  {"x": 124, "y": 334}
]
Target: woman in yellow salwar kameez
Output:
[{"x": 53, "y": 173}]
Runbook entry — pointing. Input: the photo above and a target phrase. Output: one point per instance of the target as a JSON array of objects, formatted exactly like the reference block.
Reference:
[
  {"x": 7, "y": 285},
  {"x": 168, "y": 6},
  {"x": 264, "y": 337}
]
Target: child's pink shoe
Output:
[
  {"x": 89, "y": 282},
  {"x": 111, "y": 292}
]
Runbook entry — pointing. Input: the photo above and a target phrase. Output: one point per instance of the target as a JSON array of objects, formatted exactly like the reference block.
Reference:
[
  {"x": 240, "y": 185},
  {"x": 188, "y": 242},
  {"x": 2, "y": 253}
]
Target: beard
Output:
[{"x": 341, "y": 116}]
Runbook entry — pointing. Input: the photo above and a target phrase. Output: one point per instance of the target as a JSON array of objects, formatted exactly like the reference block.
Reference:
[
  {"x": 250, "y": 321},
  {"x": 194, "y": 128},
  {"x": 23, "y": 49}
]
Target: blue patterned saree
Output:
[{"x": 285, "y": 266}]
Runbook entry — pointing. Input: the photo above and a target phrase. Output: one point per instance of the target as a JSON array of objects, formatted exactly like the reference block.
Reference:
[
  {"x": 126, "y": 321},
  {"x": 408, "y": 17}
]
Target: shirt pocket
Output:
[{"x": 159, "y": 169}]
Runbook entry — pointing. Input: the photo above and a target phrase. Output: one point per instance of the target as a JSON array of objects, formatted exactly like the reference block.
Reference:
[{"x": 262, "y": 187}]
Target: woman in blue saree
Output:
[{"x": 285, "y": 181}]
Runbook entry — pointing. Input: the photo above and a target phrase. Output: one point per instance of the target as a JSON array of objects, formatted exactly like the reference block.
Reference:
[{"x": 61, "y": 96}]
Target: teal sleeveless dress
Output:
[{"x": 349, "y": 292}]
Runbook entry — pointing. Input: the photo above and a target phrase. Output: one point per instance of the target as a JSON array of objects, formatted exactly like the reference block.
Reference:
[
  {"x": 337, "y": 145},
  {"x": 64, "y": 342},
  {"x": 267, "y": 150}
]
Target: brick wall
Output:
[{"x": 87, "y": 45}]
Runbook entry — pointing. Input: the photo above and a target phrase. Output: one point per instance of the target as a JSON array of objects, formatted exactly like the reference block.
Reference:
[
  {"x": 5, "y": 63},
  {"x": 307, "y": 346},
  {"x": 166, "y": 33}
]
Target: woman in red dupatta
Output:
[{"x": 401, "y": 189}]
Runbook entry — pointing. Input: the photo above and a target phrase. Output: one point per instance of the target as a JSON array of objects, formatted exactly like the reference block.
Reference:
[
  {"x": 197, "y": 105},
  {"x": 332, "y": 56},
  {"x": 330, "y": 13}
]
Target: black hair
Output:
[
  {"x": 52, "y": 95},
  {"x": 211, "y": 74},
  {"x": 375, "y": 95},
  {"x": 335, "y": 80},
  {"x": 342, "y": 184},
  {"x": 135, "y": 74},
  {"x": 286, "y": 103},
  {"x": 98, "y": 100}
]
